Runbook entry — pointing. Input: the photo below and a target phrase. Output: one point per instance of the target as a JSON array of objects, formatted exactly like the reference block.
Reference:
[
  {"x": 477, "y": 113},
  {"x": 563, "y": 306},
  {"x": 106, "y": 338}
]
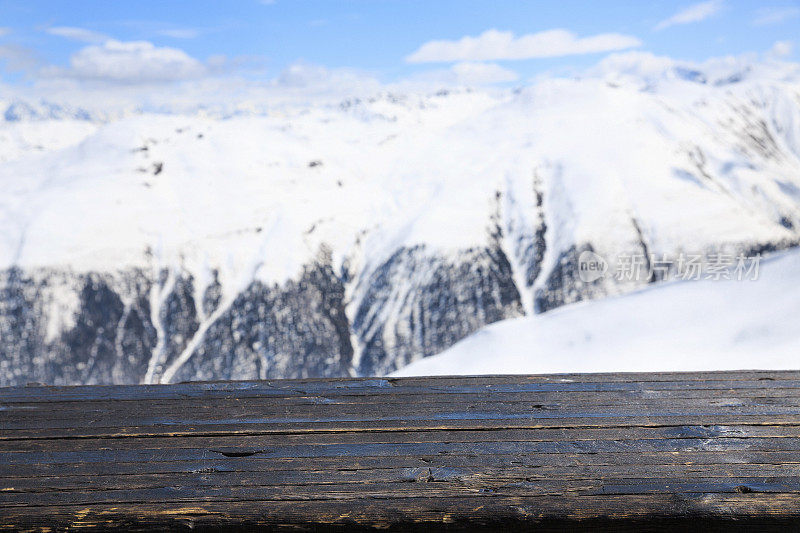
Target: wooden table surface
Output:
[{"x": 610, "y": 451}]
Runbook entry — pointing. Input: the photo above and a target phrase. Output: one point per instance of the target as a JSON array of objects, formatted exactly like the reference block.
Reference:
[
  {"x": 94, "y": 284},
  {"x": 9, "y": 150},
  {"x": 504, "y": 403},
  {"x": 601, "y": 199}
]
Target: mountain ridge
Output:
[{"x": 356, "y": 238}]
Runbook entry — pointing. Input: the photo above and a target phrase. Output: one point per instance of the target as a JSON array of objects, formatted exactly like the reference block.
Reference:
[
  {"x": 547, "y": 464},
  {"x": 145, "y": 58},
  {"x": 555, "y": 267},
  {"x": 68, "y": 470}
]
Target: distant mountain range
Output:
[{"x": 352, "y": 238}]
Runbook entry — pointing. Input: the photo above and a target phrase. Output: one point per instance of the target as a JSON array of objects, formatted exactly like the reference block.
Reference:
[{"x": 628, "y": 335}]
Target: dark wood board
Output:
[{"x": 637, "y": 452}]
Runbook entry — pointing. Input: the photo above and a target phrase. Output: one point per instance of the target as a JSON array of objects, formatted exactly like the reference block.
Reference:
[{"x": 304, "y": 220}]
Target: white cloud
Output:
[
  {"x": 470, "y": 73},
  {"x": 307, "y": 76},
  {"x": 465, "y": 73},
  {"x": 773, "y": 15},
  {"x": 132, "y": 62},
  {"x": 180, "y": 33},
  {"x": 220, "y": 95},
  {"x": 494, "y": 45},
  {"x": 17, "y": 58},
  {"x": 635, "y": 65},
  {"x": 646, "y": 71},
  {"x": 4, "y": 31},
  {"x": 691, "y": 14},
  {"x": 77, "y": 34},
  {"x": 221, "y": 91},
  {"x": 781, "y": 49}
]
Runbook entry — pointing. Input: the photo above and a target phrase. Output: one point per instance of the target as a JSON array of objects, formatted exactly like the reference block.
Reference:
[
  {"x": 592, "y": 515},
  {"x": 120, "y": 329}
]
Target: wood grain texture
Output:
[{"x": 712, "y": 451}]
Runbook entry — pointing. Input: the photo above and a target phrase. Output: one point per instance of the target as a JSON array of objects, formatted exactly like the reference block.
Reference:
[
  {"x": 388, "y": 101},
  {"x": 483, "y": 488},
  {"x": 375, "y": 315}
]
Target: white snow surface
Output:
[
  {"x": 700, "y": 156},
  {"x": 677, "y": 326}
]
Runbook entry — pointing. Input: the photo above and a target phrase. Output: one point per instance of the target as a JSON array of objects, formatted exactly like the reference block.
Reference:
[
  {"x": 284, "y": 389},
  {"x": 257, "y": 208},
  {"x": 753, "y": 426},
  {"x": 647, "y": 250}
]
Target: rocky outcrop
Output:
[{"x": 128, "y": 328}]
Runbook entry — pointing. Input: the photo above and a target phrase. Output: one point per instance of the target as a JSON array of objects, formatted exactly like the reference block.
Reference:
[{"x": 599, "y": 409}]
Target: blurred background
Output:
[{"x": 299, "y": 188}]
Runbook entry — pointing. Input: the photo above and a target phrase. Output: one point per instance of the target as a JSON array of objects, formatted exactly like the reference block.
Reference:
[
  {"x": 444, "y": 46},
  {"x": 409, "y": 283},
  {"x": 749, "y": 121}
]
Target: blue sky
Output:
[{"x": 260, "y": 38}]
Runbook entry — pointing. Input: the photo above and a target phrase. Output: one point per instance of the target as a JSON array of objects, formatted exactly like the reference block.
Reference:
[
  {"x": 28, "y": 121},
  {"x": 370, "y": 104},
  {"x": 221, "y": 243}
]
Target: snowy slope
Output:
[
  {"x": 696, "y": 164},
  {"x": 677, "y": 326},
  {"x": 311, "y": 238}
]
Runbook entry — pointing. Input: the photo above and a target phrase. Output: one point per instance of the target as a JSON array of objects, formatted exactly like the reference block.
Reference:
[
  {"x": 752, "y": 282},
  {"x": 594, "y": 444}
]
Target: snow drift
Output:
[{"x": 676, "y": 326}]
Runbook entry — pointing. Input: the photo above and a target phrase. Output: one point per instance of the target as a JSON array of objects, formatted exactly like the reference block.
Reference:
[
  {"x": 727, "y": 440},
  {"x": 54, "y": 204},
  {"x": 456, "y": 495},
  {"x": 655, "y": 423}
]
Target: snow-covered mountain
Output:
[
  {"x": 675, "y": 326},
  {"x": 323, "y": 239}
]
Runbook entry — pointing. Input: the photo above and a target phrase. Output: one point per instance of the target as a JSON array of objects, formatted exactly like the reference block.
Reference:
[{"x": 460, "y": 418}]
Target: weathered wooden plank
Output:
[
  {"x": 218, "y": 462},
  {"x": 546, "y": 405},
  {"x": 557, "y": 400},
  {"x": 489, "y": 423},
  {"x": 271, "y": 414},
  {"x": 238, "y": 413},
  {"x": 705, "y": 512},
  {"x": 710, "y": 460},
  {"x": 592, "y": 447},
  {"x": 474, "y": 476},
  {"x": 395, "y": 386},
  {"x": 408, "y": 488},
  {"x": 615, "y": 451},
  {"x": 501, "y": 435}
]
